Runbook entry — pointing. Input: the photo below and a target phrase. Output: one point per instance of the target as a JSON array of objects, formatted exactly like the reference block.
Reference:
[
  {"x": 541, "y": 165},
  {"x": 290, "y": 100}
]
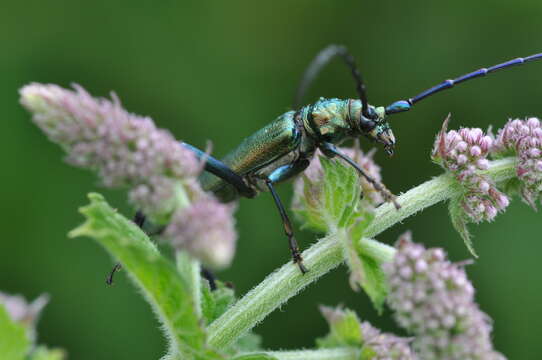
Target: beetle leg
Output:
[
  {"x": 139, "y": 220},
  {"x": 331, "y": 150},
  {"x": 210, "y": 277},
  {"x": 294, "y": 248},
  {"x": 218, "y": 168}
]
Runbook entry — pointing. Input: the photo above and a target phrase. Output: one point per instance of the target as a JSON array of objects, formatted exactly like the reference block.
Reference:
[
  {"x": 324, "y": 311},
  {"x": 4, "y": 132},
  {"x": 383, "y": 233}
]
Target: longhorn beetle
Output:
[{"x": 284, "y": 147}]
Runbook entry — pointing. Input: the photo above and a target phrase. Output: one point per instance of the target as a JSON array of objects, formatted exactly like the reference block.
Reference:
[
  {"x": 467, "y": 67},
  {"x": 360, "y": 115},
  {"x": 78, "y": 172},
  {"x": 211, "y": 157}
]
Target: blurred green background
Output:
[{"x": 218, "y": 70}]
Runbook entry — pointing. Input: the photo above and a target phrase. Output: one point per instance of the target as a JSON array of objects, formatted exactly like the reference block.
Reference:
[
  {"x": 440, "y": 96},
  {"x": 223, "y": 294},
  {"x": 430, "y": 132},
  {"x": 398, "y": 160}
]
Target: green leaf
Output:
[
  {"x": 459, "y": 222},
  {"x": 216, "y": 302},
  {"x": 166, "y": 291},
  {"x": 344, "y": 328},
  {"x": 342, "y": 191},
  {"x": 14, "y": 340},
  {"x": 374, "y": 281},
  {"x": 43, "y": 353},
  {"x": 365, "y": 269},
  {"x": 330, "y": 202}
]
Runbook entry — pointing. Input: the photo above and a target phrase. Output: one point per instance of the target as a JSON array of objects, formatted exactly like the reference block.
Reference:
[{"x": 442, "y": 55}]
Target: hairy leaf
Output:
[
  {"x": 344, "y": 328},
  {"x": 167, "y": 292},
  {"x": 459, "y": 222}
]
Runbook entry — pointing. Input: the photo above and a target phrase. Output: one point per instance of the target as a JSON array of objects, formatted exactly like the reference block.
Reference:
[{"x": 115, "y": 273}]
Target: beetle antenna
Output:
[
  {"x": 405, "y": 105},
  {"x": 321, "y": 60}
]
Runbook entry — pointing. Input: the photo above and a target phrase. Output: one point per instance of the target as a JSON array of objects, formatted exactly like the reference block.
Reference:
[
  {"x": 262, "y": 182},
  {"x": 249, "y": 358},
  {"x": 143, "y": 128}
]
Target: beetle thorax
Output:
[{"x": 329, "y": 120}]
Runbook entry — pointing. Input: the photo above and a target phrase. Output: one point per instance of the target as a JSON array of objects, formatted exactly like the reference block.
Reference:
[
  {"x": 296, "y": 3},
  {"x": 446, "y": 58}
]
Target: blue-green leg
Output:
[
  {"x": 283, "y": 173},
  {"x": 331, "y": 150},
  {"x": 139, "y": 220},
  {"x": 218, "y": 168}
]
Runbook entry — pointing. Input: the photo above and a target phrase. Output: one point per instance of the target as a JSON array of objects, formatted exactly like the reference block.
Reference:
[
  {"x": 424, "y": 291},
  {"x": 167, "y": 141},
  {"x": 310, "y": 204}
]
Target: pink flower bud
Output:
[
  {"x": 491, "y": 212},
  {"x": 502, "y": 201},
  {"x": 205, "y": 230},
  {"x": 482, "y": 164},
  {"x": 461, "y": 146},
  {"x": 484, "y": 186},
  {"x": 462, "y": 159},
  {"x": 485, "y": 143},
  {"x": 534, "y": 152},
  {"x": 475, "y": 135},
  {"x": 533, "y": 123},
  {"x": 475, "y": 151},
  {"x": 453, "y": 136}
]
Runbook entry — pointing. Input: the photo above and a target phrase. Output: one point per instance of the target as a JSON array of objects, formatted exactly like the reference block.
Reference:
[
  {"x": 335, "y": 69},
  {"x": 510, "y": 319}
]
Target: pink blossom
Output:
[
  {"x": 464, "y": 154},
  {"x": 523, "y": 138},
  {"x": 128, "y": 150},
  {"x": 445, "y": 320}
]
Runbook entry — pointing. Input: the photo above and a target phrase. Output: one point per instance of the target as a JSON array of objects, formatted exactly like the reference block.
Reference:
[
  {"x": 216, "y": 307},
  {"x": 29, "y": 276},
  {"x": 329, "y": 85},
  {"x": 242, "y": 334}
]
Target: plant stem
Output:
[
  {"x": 274, "y": 290},
  {"x": 327, "y": 254},
  {"x": 322, "y": 354},
  {"x": 189, "y": 268}
]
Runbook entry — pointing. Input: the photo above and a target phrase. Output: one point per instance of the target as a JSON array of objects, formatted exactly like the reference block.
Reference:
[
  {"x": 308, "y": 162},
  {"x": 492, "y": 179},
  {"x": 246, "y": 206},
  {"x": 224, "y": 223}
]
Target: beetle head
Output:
[{"x": 377, "y": 128}]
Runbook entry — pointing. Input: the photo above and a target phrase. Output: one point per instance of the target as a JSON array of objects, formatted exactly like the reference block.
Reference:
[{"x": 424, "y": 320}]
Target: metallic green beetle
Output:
[{"x": 284, "y": 148}]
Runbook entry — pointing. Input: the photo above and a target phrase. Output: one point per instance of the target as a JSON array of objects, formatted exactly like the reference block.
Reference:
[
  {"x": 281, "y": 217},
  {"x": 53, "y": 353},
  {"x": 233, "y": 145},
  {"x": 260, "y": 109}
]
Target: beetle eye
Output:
[{"x": 366, "y": 125}]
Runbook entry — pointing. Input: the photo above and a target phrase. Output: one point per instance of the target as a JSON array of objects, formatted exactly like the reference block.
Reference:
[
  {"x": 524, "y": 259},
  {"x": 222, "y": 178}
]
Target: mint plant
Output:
[{"x": 431, "y": 297}]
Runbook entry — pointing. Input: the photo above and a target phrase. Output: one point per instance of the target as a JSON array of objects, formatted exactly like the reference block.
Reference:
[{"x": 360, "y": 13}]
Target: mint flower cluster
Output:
[
  {"x": 523, "y": 138},
  {"x": 128, "y": 150},
  {"x": 434, "y": 301},
  {"x": 464, "y": 153}
]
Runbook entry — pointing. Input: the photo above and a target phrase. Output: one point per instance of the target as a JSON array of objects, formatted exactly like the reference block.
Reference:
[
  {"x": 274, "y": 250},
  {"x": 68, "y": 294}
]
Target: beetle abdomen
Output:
[{"x": 258, "y": 150}]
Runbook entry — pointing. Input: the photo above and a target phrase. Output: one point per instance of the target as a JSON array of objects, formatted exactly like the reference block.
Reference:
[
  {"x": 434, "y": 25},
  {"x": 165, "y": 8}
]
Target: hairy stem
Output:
[
  {"x": 327, "y": 254},
  {"x": 189, "y": 269},
  {"x": 322, "y": 354}
]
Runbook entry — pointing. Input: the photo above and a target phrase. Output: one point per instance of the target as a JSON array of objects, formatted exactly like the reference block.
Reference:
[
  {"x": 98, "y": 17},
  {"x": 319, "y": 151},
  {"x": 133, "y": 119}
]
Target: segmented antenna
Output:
[
  {"x": 405, "y": 105},
  {"x": 321, "y": 60}
]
